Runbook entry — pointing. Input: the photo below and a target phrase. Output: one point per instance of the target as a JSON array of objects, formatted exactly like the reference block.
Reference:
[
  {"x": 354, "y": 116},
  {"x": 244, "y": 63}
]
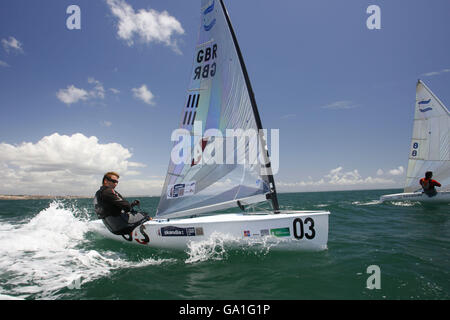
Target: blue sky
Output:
[{"x": 77, "y": 103}]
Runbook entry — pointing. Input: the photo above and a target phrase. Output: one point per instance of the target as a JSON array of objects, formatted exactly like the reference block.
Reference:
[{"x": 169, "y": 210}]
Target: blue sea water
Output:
[{"x": 48, "y": 250}]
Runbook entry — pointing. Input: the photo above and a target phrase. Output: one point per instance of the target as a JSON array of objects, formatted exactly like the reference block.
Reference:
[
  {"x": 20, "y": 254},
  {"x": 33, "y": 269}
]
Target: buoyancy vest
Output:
[{"x": 429, "y": 184}]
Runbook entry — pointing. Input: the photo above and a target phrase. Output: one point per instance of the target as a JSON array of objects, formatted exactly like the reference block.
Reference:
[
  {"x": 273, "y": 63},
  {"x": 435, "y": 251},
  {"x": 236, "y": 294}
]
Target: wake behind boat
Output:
[
  {"x": 441, "y": 196},
  {"x": 211, "y": 178},
  {"x": 430, "y": 149}
]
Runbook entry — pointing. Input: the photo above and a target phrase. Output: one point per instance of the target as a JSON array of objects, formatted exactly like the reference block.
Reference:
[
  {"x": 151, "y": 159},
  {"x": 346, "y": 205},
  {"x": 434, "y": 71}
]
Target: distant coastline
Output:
[{"x": 36, "y": 197}]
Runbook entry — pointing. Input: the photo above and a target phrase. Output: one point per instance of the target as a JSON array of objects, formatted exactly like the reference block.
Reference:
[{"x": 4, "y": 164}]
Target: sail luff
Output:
[{"x": 273, "y": 192}]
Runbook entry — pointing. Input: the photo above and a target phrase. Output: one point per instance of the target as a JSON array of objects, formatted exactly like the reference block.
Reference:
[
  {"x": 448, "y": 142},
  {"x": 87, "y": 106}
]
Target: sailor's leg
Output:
[{"x": 136, "y": 217}]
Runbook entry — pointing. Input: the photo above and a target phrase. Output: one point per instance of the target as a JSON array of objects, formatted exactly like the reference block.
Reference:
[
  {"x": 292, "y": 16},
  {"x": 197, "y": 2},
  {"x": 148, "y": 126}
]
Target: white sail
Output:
[
  {"x": 219, "y": 97},
  {"x": 430, "y": 143}
]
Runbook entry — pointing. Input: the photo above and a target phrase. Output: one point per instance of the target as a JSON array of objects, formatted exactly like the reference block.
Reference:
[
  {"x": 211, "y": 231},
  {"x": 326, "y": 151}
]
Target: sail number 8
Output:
[
  {"x": 415, "y": 146},
  {"x": 299, "y": 228}
]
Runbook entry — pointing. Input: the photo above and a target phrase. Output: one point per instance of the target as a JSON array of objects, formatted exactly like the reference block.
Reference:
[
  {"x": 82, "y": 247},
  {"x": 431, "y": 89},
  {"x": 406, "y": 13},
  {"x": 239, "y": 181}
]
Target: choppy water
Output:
[{"x": 48, "y": 250}]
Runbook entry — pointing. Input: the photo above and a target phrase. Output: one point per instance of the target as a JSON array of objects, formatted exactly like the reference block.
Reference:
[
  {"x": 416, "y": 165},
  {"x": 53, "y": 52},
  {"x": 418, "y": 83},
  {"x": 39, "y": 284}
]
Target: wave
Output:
[
  {"x": 219, "y": 245},
  {"x": 45, "y": 255},
  {"x": 405, "y": 203},
  {"x": 368, "y": 203}
]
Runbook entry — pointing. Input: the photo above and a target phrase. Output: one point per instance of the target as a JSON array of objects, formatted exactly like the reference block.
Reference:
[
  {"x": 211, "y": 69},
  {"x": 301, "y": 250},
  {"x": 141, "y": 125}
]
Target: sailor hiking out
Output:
[
  {"x": 428, "y": 184},
  {"x": 117, "y": 213}
]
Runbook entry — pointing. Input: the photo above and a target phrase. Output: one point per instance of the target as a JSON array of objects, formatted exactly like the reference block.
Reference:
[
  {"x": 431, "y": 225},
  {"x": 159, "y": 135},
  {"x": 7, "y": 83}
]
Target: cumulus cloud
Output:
[
  {"x": 148, "y": 25},
  {"x": 396, "y": 172},
  {"x": 337, "y": 179},
  {"x": 61, "y": 164},
  {"x": 73, "y": 94},
  {"x": 12, "y": 45},
  {"x": 143, "y": 94},
  {"x": 393, "y": 172},
  {"x": 98, "y": 90}
]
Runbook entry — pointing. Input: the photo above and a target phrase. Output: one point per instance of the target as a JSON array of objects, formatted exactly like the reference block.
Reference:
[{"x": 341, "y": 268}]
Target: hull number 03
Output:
[{"x": 304, "y": 229}]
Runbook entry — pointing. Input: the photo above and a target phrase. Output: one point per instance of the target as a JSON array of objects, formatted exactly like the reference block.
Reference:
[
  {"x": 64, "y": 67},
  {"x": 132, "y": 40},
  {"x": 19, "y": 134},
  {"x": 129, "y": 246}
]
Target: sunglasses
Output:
[{"x": 112, "y": 180}]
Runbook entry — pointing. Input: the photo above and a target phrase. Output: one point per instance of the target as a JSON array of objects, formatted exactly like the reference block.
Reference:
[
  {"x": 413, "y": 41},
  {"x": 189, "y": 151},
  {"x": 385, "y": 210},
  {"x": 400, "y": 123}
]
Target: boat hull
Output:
[
  {"x": 288, "y": 230},
  {"x": 441, "y": 196}
]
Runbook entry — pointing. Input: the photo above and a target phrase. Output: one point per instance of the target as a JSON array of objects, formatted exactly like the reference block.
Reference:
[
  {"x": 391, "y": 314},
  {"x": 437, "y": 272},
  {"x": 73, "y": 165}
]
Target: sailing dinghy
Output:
[
  {"x": 430, "y": 149},
  {"x": 220, "y": 98}
]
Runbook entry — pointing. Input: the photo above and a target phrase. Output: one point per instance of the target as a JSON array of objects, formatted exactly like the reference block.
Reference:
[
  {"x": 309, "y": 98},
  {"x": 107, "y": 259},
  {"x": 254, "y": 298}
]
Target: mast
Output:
[{"x": 273, "y": 192}]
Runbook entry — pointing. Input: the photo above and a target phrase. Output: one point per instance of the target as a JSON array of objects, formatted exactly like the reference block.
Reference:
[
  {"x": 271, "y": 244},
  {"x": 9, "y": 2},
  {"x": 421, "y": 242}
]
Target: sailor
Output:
[
  {"x": 428, "y": 184},
  {"x": 117, "y": 213}
]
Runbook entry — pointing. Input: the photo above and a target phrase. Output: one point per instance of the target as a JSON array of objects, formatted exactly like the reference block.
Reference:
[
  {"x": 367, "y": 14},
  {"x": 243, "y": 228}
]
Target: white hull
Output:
[
  {"x": 290, "y": 230},
  {"x": 442, "y": 196}
]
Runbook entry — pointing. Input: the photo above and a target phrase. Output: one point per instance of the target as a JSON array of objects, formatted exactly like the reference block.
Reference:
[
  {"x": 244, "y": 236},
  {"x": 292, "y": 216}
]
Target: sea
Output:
[{"x": 376, "y": 251}]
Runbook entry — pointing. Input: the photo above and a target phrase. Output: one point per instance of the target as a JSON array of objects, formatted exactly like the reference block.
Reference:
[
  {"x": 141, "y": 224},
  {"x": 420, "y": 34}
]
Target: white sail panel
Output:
[
  {"x": 217, "y": 100},
  {"x": 430, "y": 143}
]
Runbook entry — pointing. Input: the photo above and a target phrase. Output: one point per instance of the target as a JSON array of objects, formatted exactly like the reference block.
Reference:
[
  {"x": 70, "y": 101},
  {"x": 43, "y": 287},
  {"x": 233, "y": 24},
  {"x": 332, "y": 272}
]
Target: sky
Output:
[{"x": 80, "y": 97}]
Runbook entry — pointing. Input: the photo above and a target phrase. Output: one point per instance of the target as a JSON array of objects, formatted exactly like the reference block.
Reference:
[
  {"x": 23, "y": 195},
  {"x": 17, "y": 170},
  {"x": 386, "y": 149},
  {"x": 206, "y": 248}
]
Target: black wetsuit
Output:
[{"x": 116, "y": 212}]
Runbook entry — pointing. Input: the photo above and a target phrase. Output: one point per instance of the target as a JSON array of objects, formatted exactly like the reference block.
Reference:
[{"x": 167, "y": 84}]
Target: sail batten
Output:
[{"x": 220, "y": 111}]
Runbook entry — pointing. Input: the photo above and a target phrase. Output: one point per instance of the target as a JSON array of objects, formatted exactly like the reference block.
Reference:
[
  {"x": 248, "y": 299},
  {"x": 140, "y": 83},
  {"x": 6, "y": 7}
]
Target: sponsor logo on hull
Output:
[{"x": 172, "y": 231}]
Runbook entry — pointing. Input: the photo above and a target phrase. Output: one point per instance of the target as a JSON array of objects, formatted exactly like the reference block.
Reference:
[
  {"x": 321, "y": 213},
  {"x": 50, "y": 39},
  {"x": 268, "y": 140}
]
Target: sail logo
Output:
[
  {"x": 180, "y": 190},
  {"x": 424, "y": 102},
  {"x": 208, "y": 23}
]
